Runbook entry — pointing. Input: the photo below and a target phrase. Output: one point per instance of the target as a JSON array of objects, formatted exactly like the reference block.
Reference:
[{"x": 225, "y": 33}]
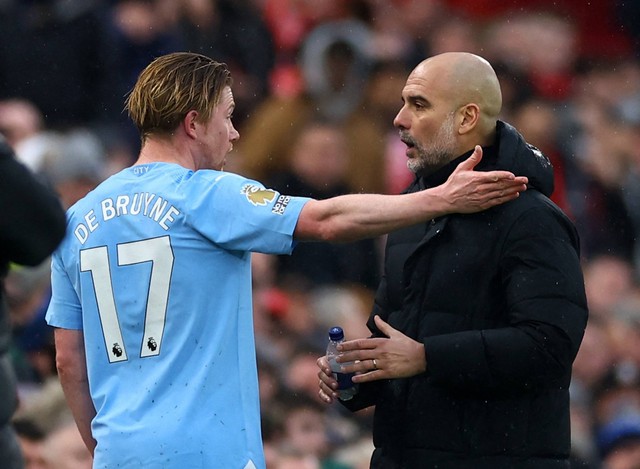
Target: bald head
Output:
[
  {"x": 465, "y": 78},
  {"x": 451, "y": 103}
]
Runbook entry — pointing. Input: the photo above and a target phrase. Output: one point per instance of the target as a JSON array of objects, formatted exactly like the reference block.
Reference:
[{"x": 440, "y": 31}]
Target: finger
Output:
[
  {"x": 329, "y": 385},
  {"x": 326, "y": 376},
  {"x": 511, "y": 187},
  {"x": 471, "y": 162},
  {"x": 371, "y": 375},
  {"x": 497, "y": 189},
  {"x": 329, "y": 380},
  {"x": 357, "y": 344},
  {"x": 323, "y": 364},
  {"x": 493, "y": 191},
  {"x": 350, "y": 361},
  {"x": 383, "y": 326},
  {"x": 508, "y": 182},
  {"x": 327, "y": 396},
  {"x": 496, "y": 176}
]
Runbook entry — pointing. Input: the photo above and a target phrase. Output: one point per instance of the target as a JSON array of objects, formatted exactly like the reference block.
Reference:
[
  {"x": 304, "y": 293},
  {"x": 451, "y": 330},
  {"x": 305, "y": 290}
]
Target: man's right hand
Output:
[
  {"x": 469, "y": 191},
  {"x": 328, "y": 384}
]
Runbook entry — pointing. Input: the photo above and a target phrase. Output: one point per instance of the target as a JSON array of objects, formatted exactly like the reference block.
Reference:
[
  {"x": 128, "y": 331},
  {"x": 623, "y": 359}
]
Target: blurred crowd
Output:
[{"x": 317, "y": 84}]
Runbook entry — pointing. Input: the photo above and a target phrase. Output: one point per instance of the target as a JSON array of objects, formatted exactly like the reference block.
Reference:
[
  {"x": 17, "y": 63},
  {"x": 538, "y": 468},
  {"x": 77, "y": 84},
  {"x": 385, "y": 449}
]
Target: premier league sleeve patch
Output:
[{"x": 257, "y": 195}]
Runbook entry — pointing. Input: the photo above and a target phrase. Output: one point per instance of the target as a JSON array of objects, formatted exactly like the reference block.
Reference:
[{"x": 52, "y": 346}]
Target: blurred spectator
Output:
[
  {"x": 289, "y": 22},
  {"x": 297, "y": 323},
  {"x": 44, "y": 406},
  {"x": 53, "y": 55},
  {"x": 449, "y": 32},
  {"x": 538, "y": 122},
  {"x": 302, "y": 372},
  {"x": 454, "y": 34},
  {"x": 619, "y": 442},
  {"x": 335, "y": 61},
  {"x": 24, "y": 126},
  {"x": 625, "y": 332},
  {"x": 541, "y": 45},
  {"x": 138, "y": 31},
  {"x": 340, "y": 305},
  {"x": 269, "y": 381},
  {"x": 401, "y": 30},
  {"x": 608, "y": 279},
  {"x": 594, "y": 361},
  {"x": 356, "y": 454},
  {"x": 31, "y": 438},
  {"x": 27, "y": 293},
  {"x": 234, "y": 32},
  {"x": 304, "y": 426},
  {"x": 615, "y": 397},
  {"x": 594, "y": 167},
  {"x": 21, "y": 122},
  {"x": 74, "y": 165},
  {"x": 64, "y": 448},
  {"x": 295, "y": 460},
  {"x": 628, "y": 133},
  {"x": 598, "y": 27},
  {"x": 381, "y": 101},
  {"x": 317, "y": 168},
  {"x": 336, "y": 64},
  {"x": 304, "y": 432}
]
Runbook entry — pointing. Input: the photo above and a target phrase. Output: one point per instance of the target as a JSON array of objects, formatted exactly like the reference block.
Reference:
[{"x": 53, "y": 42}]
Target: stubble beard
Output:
[{"x": 436, "y": 153}]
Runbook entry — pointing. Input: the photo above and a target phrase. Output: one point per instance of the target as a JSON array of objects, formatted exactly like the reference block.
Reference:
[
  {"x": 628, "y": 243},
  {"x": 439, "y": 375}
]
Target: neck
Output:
[{"x": 165, "y": 150}]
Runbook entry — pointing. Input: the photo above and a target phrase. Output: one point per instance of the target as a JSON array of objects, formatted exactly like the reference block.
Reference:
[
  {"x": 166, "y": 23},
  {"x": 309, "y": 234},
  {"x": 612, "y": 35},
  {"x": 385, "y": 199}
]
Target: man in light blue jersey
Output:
[{"x": 152, "y": 284}]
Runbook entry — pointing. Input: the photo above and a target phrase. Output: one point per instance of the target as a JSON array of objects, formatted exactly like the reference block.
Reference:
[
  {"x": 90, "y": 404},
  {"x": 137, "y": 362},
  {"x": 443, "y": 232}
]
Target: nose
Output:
[
  {"x": 234, "y": 135},
  {"x": 400, "y": 121}
]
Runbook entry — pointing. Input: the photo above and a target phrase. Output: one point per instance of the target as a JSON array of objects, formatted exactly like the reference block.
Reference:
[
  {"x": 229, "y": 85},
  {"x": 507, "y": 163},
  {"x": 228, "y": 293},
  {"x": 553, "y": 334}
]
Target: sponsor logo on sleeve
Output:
[{"x": 281, "y": 204}]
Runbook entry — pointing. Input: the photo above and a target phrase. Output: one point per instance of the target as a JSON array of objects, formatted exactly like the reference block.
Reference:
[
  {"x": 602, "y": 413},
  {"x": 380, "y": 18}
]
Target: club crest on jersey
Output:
[{"x": 258, "y": 195}]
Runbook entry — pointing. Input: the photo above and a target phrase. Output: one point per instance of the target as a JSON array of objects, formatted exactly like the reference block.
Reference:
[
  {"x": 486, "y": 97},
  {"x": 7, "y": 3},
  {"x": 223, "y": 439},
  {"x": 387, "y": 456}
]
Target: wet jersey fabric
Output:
[{"x": 155, "y": 270}]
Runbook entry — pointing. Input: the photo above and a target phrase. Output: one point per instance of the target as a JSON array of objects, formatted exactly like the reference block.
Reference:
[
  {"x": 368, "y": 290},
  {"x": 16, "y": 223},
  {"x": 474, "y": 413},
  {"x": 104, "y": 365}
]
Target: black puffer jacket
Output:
[
  {"x": 32, "y": 224},
  {"x": 498, "y": 300}
]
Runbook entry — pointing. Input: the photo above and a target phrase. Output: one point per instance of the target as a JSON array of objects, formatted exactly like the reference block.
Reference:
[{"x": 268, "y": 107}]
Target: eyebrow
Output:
[{"x": 417, "y": 98}]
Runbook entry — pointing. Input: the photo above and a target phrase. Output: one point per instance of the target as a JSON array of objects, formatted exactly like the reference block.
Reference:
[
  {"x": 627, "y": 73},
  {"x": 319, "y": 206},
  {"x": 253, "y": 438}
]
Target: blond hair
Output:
[{"x": 171, "y": 86}]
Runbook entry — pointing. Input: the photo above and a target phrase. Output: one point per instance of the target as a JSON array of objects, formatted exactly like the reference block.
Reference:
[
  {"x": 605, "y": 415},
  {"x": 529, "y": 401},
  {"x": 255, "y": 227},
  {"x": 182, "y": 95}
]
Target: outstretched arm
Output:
[{"x": 357, "y": 216}]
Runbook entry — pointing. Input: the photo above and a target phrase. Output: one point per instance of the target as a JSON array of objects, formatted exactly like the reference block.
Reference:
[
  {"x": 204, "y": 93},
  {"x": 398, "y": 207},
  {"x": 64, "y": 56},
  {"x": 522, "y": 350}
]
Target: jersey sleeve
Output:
[
  {"x": 64, "y": 309},
  {"x": 241, "y": 214}
]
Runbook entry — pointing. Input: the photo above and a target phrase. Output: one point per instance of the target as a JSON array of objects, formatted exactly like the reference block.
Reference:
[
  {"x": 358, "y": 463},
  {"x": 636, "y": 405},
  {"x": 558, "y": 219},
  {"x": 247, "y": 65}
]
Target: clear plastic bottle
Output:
[{"x": 346, "y": 388}]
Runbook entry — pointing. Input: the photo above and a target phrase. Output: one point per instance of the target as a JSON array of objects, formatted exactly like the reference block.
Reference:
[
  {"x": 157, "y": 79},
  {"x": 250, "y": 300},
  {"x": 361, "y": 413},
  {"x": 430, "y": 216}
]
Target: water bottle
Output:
[{"x": 346, "y": 388}]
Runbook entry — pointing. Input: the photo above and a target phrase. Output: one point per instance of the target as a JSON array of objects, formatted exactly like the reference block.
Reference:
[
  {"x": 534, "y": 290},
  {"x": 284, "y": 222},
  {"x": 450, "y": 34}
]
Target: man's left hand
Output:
[{"x": 396, "y": 356}]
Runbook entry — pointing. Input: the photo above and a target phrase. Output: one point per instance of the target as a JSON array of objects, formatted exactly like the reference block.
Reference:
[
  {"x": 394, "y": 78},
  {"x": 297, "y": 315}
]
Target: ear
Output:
[
  {"x": 190, "y": 124},
  {"x": 469, "y": 117}
]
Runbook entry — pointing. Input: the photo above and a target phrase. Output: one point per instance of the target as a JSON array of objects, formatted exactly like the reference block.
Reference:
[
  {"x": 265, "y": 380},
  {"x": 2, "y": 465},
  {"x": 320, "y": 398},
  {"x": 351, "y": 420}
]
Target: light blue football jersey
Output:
[{"x": 155, "y": 270}]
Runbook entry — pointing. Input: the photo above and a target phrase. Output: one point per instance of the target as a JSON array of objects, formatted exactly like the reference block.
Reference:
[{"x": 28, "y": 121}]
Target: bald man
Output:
[{"x": 479, "y": 317}]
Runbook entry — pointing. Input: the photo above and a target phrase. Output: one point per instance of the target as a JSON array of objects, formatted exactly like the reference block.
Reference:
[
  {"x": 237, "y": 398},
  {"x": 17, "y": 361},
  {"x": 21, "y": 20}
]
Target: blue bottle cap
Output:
[{"x": 336, "y": 333}]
